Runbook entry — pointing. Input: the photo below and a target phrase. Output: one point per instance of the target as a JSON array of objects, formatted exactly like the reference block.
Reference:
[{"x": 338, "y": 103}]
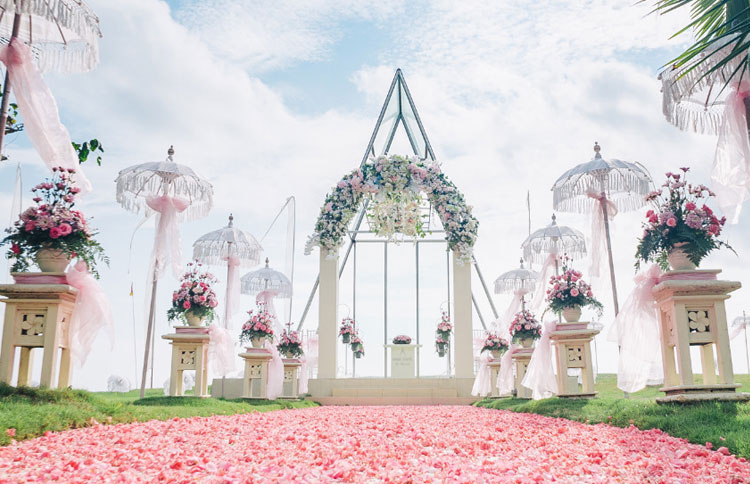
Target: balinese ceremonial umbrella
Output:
[
  {"x": 544, "y": 245},
  {"x": 63, "y": 36},
  {"x": 519, "y": 282},
  {"x": 174, "y": 193},
  {"x": 233, "y": 247},
  {"x": 740, "y": 324},
  {"x": 602, "y": 188},
  {"x": 267, "y": 283}
]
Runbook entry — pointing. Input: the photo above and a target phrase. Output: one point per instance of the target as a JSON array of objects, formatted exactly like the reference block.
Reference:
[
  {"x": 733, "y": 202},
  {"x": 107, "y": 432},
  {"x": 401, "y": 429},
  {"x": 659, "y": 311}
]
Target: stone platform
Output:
[{"x": 392, "y": 391}]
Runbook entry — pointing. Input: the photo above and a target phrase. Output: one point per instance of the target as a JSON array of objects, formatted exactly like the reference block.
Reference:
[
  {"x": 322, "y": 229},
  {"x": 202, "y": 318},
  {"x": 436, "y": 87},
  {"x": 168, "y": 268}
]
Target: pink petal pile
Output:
[{"x": 368, "y": 444}]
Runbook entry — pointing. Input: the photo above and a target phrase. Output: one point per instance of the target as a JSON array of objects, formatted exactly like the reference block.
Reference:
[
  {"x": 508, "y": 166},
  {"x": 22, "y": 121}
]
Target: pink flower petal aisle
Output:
[{"x": 367, "y": 444}]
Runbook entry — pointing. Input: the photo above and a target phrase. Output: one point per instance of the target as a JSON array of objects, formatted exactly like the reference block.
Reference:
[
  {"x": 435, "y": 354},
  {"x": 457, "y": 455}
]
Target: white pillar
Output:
[
  {"x": 463, "y": 350},
  {"x": 328, "y": 302}
]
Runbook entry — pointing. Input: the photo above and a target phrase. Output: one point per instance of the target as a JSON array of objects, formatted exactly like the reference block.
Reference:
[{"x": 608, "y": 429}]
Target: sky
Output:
[{"x": 270, "y": 99}]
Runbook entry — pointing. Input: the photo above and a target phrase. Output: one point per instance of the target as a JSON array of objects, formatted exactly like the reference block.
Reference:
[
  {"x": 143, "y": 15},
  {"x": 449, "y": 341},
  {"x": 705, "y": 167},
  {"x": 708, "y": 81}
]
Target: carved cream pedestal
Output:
[
  {"x": 403, "y": 360},
  {"x": 521, "y": 358},
  {"x": 494, "y": 370},
  {"x": 573, "y": 350},
  {"x": 189, "y": 352},
  {"x": 37, "y": 316},
  {"x": 691, "y": 313},
  {"x": 291, "y": 378},
  {"x": 256, "y": 371}
]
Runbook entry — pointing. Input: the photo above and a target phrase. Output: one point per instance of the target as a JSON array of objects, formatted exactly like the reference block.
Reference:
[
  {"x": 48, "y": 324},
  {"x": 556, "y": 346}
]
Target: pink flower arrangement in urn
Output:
[
  {"x": 681, "y": 229},
  {"x": 568, "y": 293},
  {"x": 290, "y": 344},
  {"x": 53, "y": 232},
  {"x": 402, "y": 339},
  {"x": 258, "y": 327},
  {"x": 525, "y": 328},
  {"x": 194, "y": 302},
  {"x": 495, "y": 344}
]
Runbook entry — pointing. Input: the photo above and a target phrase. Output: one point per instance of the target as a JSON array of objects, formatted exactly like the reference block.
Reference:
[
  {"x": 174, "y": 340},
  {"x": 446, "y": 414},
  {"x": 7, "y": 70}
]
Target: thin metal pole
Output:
[
  {"x": 448, "y": 285},
  {"x": 747, "y": 355},
  {"x": 603, "y": 204},
  {"x": 416, "y": 279},
  {"x": 385, "y": 310},
  {"x": 149, "y": 332},
  {"x": 354, "y": 300},
  {"x": 153, "y": 345},
  {"x": 6, "y": 86},
  {"x": 484, "y": 286}
]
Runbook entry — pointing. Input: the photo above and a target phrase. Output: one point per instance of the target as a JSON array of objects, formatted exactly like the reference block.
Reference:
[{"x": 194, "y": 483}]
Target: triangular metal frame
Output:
[{"x": 399, "y": 97}]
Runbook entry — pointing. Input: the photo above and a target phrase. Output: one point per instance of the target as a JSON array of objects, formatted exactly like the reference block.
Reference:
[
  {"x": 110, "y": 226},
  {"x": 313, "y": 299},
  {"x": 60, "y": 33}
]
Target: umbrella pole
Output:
[
  {"x": 149, "y": 333},
  {"x": 747, "y": 355},
  {"x": 603, "y": 204},
  {"x": 6, "y": 86}
]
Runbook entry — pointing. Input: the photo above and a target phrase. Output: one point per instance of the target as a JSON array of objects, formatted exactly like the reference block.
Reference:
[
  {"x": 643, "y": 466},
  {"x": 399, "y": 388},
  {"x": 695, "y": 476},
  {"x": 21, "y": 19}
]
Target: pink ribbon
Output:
[
  {"x": 483, "y": 381},
  {"x": 540, "y": 373},
  {"x": 505, "y": 382},
  {"x": 636, "y": 331},
  {"x": 731, "y": 170},
  {"x": 221, "y": 351},
  {"x": 232, "y": 303},
  {"x": 91, "y": 312},
  {"x": 41, "y": 119},
  {"x": 275, "y": 384},
  {"x": 167, "y": 235},
  {"x": 598, "y": 231}
]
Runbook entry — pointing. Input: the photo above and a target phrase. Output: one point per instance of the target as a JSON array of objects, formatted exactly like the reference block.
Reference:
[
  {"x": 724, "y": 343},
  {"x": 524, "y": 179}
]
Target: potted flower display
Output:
[
  {"x": 495, "y": 345},
  {"x": 444, "y": 327},
  {"x": 53, "y": 232},
  {"x": 681, "y": 229},
  {"x": 441, "y": 345},
  {"x": 257, "y": 328},
  {"x": 358, "y": 348},
  {"x": 194, "y": 302},
  {"x": 290, "y": 344},
  {"x": 402, "y": 339},
  {"x": 569, "y": 293},
  {"x": 525, "y": 329},
  {"x": 346, "y": 330}
]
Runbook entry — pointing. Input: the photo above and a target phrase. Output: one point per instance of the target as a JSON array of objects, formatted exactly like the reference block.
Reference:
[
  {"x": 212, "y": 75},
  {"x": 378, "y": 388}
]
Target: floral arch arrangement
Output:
[{"x": 400, "y": 181}]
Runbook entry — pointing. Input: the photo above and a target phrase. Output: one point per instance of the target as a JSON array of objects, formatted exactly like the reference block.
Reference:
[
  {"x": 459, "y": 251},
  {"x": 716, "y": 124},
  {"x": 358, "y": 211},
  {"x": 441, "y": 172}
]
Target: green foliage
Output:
[
  {"x": 87, "y": 148},
  {"x": 33, "y": 411},
  {"x": 716, "y": 24},
  {"x": 698, "y": 422}
]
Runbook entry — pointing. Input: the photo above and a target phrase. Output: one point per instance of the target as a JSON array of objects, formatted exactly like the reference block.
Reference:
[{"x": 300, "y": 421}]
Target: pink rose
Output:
[
  {"x": 186, "y": 305},
  {"x": 329, "y": 206},
  {"x": 55, "y": 232},
  {"x": 574, "y": 292},
  {"x": 29, "y": 226},
  {"x": 690, "y": 206},
  {"x": 590, "y": 294},
  {"x": 672, "y": 222},
  {"x": 65, "y": 229}
]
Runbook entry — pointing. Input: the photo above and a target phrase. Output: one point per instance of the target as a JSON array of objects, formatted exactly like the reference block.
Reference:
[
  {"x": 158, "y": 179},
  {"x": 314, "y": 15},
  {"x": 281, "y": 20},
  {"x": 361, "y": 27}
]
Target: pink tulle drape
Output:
[
  {"x": 303, "y": 376},
  {"x": 636, "y": 331},
  {"x": 503, "y": 322},
  {"x": 548, "y": 270},
  {"x": 38, "y": 109},
  {"x": 221, "y": 351},
  {"x": 167, "y": 236},
  {"x": 91, "y": 314},
  {"x": 540, "y": 373},
  {"x": 505, "y": 382},
  {"x": 598, "y": 232},
  {"x": 232, "y": 303},
  {"x": 275, "y": 384},
  {"x": 265, "y": 299},
  {"x": 731, "y": 170},
  {"x": 483, "y": 381}
]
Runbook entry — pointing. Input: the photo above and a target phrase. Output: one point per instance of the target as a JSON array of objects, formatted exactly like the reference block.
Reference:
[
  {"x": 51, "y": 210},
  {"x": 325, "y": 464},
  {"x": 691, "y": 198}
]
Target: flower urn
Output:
[
  {"x": 345, "y": 338},
  {"x": 678, "y": 258},
  {"x": 257, "y": 342},
  {"x": 193, "y": 319},
  {"x": 572, "y": 314},
  {"x": 527, "y": 342},
  {"x": 52, "y": 260},
  {"x": 496, "y": 354}
]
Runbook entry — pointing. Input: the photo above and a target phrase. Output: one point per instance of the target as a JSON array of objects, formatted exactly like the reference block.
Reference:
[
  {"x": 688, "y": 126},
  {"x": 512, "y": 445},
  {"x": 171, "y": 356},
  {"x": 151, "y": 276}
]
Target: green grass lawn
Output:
[
  {"x": 33, "y": 411},
  {"x": 697, "y": 422}
]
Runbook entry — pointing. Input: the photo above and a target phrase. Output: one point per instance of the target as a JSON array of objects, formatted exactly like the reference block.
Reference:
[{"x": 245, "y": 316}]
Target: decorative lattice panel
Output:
[
  {"x": 254, "y": 370},
  {"x": 575, "y": 355},
  {"x": 187, "y": 359},
  {"x": 699, "y": 321}
]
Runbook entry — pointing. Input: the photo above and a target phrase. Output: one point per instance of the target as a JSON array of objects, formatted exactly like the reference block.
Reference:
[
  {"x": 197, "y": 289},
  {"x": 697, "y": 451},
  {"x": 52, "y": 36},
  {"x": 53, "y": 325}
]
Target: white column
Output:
[
  {"x": 328, "y": 302},
  {"x": 463, "y": 351}
]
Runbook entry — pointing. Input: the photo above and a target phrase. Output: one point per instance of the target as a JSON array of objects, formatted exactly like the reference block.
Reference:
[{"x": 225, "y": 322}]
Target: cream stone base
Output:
[
  {"x": 255, "y": 377},
  {"x": 292, "y": 368},
  {"x": 403, "y": 360},
  {"x": 521, "y": 358},
  {"x": 573, "y": 350},
  {"x": 494, "y": 370},
  {"x": 189, "y": 352}
]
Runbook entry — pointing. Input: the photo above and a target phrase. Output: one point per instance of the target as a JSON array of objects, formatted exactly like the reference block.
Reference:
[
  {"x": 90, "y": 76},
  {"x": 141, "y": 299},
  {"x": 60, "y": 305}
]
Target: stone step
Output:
[
  {"x": 394, "y": 400},
  {"x": 423, "y": 392}
]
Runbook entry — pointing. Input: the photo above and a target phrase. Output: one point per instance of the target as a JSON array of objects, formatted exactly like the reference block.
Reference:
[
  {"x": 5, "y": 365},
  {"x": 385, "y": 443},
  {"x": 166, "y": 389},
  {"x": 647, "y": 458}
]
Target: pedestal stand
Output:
[
  {"x": 494, "y": 365},
  {"x": 691, "y": 313},
  {"x": 573, "y": 350},
  {"x": 189, "y": 352},
  {"x": 37, "y": 316},
  {"x": 403, "y": 360},
  {"x": 256, "y": 372},
  {"x": 291, "y": 378},
  {"x": 521, "y": 358}
]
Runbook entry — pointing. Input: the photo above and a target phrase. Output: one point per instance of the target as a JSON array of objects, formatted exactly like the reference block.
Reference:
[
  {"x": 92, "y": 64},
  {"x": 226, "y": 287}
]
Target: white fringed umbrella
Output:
[
  {"x": 518, "y": 282},
  {"x": 553, "y": 239},
  {"x": 175, "y": 193},
  {"x": 741, "y": 323},
  {"x": 233, "y": 247},
  {"x": 62, "y": 34},
  {"x": 601, "y": 185},
  {"x": 268, "y": 284}
]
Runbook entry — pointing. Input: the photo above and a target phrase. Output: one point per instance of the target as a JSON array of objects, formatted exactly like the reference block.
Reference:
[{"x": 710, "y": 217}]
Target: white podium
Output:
[{"x": 403, "y": 360}]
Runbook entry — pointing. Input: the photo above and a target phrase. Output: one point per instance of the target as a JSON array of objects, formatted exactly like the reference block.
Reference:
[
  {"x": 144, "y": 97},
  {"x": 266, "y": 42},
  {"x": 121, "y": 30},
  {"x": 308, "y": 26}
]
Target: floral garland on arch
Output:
[{"x": 395, "y": 181}]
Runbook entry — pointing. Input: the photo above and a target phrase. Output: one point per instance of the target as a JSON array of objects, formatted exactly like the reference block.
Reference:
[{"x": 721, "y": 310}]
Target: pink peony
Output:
[{"x": 671, "y": 222}]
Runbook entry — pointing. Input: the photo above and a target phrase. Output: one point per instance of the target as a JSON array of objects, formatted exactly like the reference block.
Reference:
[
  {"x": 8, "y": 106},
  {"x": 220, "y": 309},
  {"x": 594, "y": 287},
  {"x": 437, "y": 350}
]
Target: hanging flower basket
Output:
[{"x": 346, "y": 330}]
